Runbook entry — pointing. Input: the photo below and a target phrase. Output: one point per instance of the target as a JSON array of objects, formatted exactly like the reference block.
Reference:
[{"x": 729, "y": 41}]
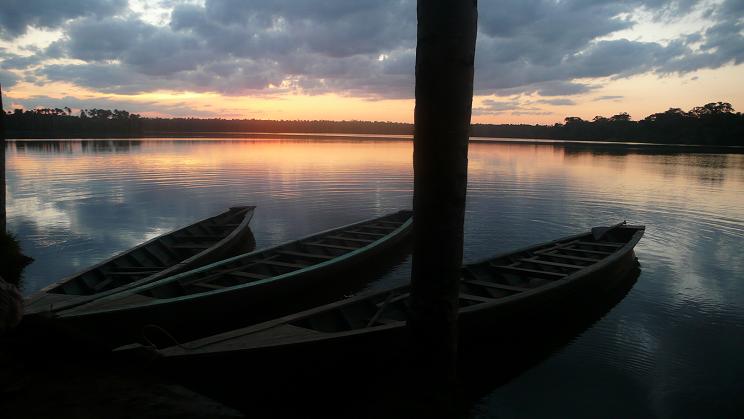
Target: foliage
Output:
[
  {"x": 715, "y": 123},
  {"x": 56, "y": 122},
  {"x": 12, "y": 261},
  {"x": 711, "y": 124}
]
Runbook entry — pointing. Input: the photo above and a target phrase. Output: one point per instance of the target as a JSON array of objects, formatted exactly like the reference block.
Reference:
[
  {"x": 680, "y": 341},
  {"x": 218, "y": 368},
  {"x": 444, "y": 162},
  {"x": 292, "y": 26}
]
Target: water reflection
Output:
[{"x": 676, "y": 334}]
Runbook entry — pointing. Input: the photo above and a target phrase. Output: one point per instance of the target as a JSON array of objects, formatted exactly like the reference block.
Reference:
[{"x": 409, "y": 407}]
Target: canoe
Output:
[
  {"x": 276, "y": 278},
  {"x": 186, "y": 248},
  {"x": 494, "y": 294}
]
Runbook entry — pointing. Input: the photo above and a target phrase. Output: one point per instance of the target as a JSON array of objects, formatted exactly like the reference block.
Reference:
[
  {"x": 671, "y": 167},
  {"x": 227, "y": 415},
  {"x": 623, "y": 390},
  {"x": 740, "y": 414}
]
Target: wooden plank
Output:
[
  {"x": 248, "y": 275},
  {"x": 285, "y": 264},
  {"x": 396, "y": 224},
  {"x": 365, "y": 233},
  {"x": 219, "y": 273},
  {"x": 333, "y": 246},
  {"x": 476, "y": 298},
  {"x": 557, "y": 246},
  {"x": 191, "y": 246},
  {"x": 593, "y": 252},
  {"x": 475, "y": 274},
  {"x": 129, "y": 273},
  {"x": 569, "y": 257},
  {"x": 602, "y": 244},
  {"x": 495, "y": 285},
  {"x": 226, "y": 225},
  {"x": 139, "y": 268},
  {"x": 168, "y": 251},
  {"x": 349, "y": 239},
  {"x": 378, "y": 227},
  {"x": 383, "y": 320},
  {"x": 154, "y": 255},
  {"x": 103, "y": 284},
  {"x": 305, "y": 255},
  {"x": 209, "y": 285},
  {"x": 215, "y": 237},
  {"x": 528, "y": 272},
  {"x": 545, "y": 262}
]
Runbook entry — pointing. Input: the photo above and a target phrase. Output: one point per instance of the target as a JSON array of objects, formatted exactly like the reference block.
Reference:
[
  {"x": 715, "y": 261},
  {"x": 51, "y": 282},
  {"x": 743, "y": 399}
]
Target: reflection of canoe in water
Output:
[
  {"x": 206, "y": 298},
  {"x": 187, "y": 248},
  {"x": 494, "y": 295}
]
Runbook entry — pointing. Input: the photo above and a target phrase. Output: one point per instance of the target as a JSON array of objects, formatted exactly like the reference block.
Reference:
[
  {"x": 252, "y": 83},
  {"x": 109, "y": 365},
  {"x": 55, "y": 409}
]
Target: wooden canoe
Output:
[
  {"x": 195, "y": 245},
  {"x": 494, "y": 293},
  {"x": 208, "y": 298}
]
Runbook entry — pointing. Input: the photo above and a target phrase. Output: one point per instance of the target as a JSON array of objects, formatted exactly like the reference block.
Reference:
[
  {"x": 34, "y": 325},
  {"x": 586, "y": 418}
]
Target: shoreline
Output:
[{"x": 334, "y": 137}]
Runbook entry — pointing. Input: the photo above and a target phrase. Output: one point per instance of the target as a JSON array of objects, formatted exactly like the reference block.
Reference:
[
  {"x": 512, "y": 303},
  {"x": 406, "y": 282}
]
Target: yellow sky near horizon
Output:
[{"x": 640, "y": 95}]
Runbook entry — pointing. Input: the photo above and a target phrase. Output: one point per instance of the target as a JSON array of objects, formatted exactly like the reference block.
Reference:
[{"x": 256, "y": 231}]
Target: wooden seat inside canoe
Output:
[
  {"x": 552, "y": 264},
  {"x": 530, "y": 272},
  {"x": 330, "y": 246},
  {"x": 351, "y": 239},
  {"x": 601, "y": 244},
  {"x": 305, "y": 254},
  {"x": 568, "y": 257}
]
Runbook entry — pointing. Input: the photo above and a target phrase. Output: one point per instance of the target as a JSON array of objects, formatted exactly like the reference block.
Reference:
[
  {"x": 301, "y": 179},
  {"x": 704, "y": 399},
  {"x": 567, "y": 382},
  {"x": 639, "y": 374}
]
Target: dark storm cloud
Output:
[
  {"x": 7, "y": 79},
  {"x": 16, "y": 16},
  {"x": 366, "y": 48}
]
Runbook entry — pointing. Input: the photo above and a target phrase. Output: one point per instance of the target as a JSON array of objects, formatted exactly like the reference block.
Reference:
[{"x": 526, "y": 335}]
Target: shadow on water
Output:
[
  {"x": 485, "y": 367},
  {"x": 376, "y": 385}
]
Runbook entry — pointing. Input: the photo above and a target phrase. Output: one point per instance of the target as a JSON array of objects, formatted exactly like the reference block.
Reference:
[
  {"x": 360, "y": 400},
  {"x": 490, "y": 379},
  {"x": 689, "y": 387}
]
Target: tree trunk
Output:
[
  {"x": 445, "y": 52},
  {"x": 2, "y": 163}
]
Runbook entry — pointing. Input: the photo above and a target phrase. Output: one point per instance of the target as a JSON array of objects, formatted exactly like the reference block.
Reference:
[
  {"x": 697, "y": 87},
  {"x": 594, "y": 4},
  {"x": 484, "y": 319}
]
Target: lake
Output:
[{"x": 673, "y": 347}]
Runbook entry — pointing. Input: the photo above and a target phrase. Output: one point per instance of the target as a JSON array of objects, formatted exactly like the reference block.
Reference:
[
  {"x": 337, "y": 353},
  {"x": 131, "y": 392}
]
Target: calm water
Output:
[{"x": 673, "y": 347}]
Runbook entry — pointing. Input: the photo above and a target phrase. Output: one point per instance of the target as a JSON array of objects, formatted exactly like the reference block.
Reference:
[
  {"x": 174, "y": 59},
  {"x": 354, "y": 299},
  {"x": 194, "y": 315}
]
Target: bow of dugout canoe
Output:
[
  {"x": 280, "y": 279},
  {"x": 186, "y": 248}
]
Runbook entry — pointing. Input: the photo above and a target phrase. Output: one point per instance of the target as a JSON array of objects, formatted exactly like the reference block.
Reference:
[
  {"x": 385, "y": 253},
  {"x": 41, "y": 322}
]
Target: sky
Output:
[{"x": 537, "y": 61}]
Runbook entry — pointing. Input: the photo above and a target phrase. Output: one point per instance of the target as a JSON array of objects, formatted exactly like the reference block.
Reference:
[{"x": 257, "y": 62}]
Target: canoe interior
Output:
[
  {"x": 481, "y": 283},
  {"x": 154, "y": 256},
  {"x": 302, "y": 254}
]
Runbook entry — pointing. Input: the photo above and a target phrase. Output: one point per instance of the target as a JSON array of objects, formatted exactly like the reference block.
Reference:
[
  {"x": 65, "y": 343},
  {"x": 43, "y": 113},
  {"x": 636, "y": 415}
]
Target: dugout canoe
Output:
[
  {"x": 186, "y": 248},
  {"x": 495, "y": 294},
  {"x": 276, "y": 278}
]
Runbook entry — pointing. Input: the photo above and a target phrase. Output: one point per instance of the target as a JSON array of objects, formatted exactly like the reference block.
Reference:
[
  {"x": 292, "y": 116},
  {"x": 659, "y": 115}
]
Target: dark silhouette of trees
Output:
[
  {"x": 445, "y": 52},
  {"x": 56, "y": 122},
  {"x": 715, "y": 123},
  {"x": 2, "y": 166},
  {"x": 712, "y": 124}
]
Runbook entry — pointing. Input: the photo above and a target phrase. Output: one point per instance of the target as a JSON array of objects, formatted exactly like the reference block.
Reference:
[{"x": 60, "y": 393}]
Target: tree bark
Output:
[
  {"x": 2, "y": 164},
  {"x": 445, "y": 53}
]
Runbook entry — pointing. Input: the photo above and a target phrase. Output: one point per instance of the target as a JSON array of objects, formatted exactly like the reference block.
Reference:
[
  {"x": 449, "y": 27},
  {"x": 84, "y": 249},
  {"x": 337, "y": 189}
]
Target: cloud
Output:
[
  {"x": 557, "y": 102},
  {"x": 16, "y": 16},
  {"x": 363, "y": 48},
  {"x": 608, "y": 97},
  {"x": 7, "y": 78},
  {"x": 513, "y": 106}
]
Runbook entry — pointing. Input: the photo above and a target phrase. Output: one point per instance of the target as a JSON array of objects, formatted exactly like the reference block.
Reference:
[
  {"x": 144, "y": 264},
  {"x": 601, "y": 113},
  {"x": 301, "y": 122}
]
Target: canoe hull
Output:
[
  {"x": 187, "y": 318},
  {"x": 498, "y": 342},
  {"x": 238, "y": 240},
  {"x": 479, "y": 324}
]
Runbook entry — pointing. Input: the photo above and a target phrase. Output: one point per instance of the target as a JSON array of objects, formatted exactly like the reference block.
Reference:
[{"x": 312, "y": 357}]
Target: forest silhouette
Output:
[{"x": 715, "y": 123}]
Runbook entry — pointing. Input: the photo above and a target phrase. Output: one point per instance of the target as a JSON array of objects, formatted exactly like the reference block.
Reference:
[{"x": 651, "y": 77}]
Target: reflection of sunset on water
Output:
[{"x": 74, "y": 203}]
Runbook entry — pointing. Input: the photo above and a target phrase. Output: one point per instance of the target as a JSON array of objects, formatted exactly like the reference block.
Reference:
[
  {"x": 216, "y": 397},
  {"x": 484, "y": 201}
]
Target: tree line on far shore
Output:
[{"x": 711, "y": 124}]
